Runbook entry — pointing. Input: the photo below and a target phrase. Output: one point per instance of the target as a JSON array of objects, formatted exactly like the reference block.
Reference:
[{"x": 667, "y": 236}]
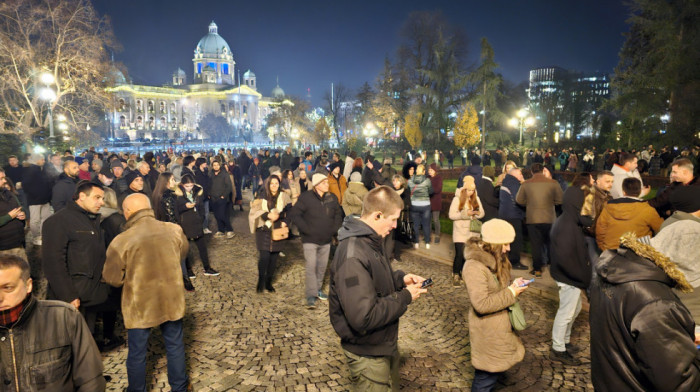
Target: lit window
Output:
[
  {"x": 225, "y": 68},
  {"x": 213, "y": 66},
  {"x": 199, "y": 68}
]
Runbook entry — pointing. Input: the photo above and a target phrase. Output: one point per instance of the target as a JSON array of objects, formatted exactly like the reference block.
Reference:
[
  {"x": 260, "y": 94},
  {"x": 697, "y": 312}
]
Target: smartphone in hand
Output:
[
  {"x": 527, "y": 282},
  {"x": 427, "y": 283}
]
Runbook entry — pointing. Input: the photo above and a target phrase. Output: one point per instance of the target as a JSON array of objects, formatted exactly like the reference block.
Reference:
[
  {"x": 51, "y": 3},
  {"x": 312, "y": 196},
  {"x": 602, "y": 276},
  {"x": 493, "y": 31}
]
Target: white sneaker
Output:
[
  {"x": 415, "y": 246},
  {"x": 207, "y": 231},
  {"x": 37, "y": 242},
  {"x": 218, "y": 234},
  {"x": 230, "y": 234},
  {"x": 282, "y": 254},
  {"x": 427, "y": 245}
]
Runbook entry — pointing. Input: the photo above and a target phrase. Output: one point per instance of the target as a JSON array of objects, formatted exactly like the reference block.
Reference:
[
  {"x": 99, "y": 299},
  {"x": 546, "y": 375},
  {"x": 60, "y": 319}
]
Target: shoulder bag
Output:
[{"x": 515, "y": 314}]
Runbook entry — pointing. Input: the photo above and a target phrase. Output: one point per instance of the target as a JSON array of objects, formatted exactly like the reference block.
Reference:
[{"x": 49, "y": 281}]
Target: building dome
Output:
[
  {"x": 248, "y": 74},
  {"x": 277, "y": 92},
  {"x": 212, "y": 44},
  {"x": 115, "y": 77},
  {"x": 179, "y": 72}
]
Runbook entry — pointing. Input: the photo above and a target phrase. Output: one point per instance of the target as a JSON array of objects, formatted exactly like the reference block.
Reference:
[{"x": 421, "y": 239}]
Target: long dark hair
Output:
[
  {"x": 158, "y": 191},
  {"x": 272, "y": 199}
]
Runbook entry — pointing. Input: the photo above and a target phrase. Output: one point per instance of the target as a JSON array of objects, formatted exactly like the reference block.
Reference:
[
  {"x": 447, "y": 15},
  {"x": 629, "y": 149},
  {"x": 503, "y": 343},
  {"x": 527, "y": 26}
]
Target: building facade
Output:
[{"x": 175, "y": 110}]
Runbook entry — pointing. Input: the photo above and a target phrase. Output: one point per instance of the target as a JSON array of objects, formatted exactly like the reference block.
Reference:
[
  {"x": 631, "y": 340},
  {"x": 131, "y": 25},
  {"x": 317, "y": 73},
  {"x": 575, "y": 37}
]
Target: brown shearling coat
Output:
[
  {"x": 494, "y": 345},
  {"x": 539, "y": 195},
  {"x": 151, "y": 275}
]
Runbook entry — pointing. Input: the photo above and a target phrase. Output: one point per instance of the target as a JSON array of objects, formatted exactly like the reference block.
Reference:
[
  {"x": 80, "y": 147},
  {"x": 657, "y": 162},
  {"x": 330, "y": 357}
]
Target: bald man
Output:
[{"x": 134, "y": 263}]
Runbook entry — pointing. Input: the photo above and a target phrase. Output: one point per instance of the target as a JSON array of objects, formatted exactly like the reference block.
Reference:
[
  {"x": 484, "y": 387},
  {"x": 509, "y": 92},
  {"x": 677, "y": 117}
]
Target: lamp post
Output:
[
  {"x": 521, "y": 121},
  {"x": 49, "y": 95}
]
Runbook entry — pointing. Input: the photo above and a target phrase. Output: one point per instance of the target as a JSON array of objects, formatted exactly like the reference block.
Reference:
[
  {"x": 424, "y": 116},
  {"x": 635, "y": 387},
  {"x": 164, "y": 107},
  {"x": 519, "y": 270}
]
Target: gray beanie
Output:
[
  {"x": 679, "y": 242},
  {"x": 356, "y": 177}
]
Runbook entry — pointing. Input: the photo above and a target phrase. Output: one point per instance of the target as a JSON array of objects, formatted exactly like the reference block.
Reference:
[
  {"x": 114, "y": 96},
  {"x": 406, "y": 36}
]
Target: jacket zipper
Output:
[{"x": 14, "y": 360}]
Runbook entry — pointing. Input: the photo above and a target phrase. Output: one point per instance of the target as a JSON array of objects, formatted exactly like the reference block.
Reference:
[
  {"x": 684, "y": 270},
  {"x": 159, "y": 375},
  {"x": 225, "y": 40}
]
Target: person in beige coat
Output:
[
  {"x": 465, "y": 207},
  {"x": 153, "y": 295},
  {"x": 495, "y": 347}
]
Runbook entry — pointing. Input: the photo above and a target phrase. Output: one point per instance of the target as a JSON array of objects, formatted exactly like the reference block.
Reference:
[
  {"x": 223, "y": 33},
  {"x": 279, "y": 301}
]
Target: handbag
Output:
[
  {"x": 281, "y": 233},
  {"x": 517, "y": 317},
  {"x": 475, "y": 226}
]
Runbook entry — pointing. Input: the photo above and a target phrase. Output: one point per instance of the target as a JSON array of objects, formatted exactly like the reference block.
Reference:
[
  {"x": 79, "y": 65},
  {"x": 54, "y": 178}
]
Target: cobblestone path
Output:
[{"x": 237, "y": 340}]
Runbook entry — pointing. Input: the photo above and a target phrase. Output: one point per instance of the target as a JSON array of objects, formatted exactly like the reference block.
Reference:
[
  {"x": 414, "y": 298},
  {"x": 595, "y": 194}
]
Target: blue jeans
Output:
[
  {"x": 421, "y": 218},
  {"x": 175, "y": 348},
  {"x": 569, "y": 308},
  {"x": 484, "y": 381}
]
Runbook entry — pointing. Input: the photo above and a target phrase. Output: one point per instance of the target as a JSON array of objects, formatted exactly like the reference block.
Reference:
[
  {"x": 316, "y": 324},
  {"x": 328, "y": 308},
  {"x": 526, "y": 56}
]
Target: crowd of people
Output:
[{"x": 95, "y": 217}]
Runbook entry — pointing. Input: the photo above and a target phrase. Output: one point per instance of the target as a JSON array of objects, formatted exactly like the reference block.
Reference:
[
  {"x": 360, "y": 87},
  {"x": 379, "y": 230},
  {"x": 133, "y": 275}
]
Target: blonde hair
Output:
[{"x": 420, "y": 170}]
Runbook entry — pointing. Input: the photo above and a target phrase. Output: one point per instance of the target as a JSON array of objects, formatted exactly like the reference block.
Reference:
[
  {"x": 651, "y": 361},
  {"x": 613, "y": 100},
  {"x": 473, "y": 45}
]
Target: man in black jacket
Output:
[
  {"x": 367, "y": 297},
  {"x": 201, "y": 176},
  {"x": 11, "y": 222},
  {"x": 64, "y": 188},
  {"x": 74, "y": 252},
  {"x": 45, "y": 344},
  {"x": 642, "y": 336},
  {"x": 317, "y": 216},
  {"x": 37, "y": 188}
]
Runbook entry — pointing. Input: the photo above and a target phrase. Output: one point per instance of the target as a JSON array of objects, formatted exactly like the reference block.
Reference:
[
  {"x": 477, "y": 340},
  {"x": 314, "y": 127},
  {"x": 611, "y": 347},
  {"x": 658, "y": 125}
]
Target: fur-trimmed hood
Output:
[
  {"x": 617, "y": 270},
  {"x": 473, "y": 252},
  {"x": 197, "y": 190}
]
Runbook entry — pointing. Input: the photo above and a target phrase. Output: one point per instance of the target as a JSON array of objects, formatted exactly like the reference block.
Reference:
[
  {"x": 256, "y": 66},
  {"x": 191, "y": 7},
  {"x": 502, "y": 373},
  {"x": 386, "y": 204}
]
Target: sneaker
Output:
[
  {"x": 322, "y": 296},
  {"x": 37, "y": 242},
  {"x": 190, "y": 274},
  {"x": 427, "y": 245},
  {"x": 207, "y": 231},
  {"x": 211, "y": 272},
  {"x": 282, "y": 254},
  {"x": 519, "y": 266},
  {"x": 218, "y": 234},
  {"x": 415, "y": 245},
  {"x": 437, "y": 239},
  {"x": 564, "y": 357},
  {"x": 456, "y": 280},
  {"x": 230, "y": 234},
  {"x": 311, "y": 303}
]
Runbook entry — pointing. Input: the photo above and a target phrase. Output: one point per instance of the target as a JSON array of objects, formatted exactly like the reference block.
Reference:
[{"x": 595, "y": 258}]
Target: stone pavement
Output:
[{"x": 237, "y": 340}]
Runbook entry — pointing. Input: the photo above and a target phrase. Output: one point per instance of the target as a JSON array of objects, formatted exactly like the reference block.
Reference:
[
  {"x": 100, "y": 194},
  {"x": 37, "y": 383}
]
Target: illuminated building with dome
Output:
[{"x": 174, "y": 111}]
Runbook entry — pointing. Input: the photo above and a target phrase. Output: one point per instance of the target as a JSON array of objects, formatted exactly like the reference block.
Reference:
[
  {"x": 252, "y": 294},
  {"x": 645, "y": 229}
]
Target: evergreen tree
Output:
[{"x": 487, "y": 83}]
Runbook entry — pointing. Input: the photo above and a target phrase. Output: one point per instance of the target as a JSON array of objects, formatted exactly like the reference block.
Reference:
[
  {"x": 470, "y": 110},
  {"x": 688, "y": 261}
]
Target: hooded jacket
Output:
[
  {"x": 337, "y": 186},
  {"x": 507, "y": 207},
  {"x": 151, "y": 275},
  {"x": 366, "y": 297},
  {"x": 352, "y": 199},
  {"x": 623, "y": 215},
  {"x": 494, "y": 345},
  {"x": 570, "y": 264},
  {"x": 53, "y": 350},
  {"x": 318, "y": 218},
  {"x": 420, "y": 189},
  {"x": 474, "y": 171},
  {"x": 642, "y": 336}
]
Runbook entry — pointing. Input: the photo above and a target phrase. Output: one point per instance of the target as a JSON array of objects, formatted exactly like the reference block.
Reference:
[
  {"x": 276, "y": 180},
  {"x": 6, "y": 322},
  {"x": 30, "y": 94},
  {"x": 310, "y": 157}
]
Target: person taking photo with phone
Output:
[
  {"x": 367, "y": 297},
  {"x": 495, "y": 347}
]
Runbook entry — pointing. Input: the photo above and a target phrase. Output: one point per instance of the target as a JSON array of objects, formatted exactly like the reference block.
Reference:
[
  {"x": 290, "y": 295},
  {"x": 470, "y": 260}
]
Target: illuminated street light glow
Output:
[
  {"x": 61, "y": 117},
  {"x": 530, "y": 121},
  {"x": 63, "y": 126},
  {"x": 47, "y": 94},
  {"x": 47, "y": 78}
]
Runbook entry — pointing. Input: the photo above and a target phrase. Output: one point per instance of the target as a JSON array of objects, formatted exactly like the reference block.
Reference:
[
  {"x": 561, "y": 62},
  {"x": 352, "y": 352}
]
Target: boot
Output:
[
  {"x": 188, "y": 284},
  {"x": 268, "y": 285},
  {"x": 261, "y": 285},
  {"x": 456, "y": 280}
]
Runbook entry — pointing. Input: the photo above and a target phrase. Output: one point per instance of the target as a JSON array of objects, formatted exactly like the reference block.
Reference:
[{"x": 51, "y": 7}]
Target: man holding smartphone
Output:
[{"x": 367, "y": 297}]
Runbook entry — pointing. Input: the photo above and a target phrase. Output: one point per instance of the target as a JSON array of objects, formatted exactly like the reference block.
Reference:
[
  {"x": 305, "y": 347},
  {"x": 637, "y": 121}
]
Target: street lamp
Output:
[
  {"x": 521, "y": 122},
  {"x": 49, "y": 95}
]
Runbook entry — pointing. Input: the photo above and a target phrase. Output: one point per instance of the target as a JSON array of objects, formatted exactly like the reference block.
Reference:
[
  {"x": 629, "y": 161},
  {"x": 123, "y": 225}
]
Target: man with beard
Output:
[{"x": 64, "y": 189}]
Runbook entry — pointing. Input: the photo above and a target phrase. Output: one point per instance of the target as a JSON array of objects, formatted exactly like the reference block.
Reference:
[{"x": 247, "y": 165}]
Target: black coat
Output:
[
  {"x": 11, "y": 230},
  {"x": 263, "y": 235},
  {"x": 317, "y": 218},
  {"x": 366, "y": 297},
  {"x": 73, "y": 255},
  {"x": 642, "y": 336},
  {"x": 62, "y": 192},
  {"x": 190, "y": 219},
  {"x": 570, "y": 264},
  {"x": 37, "y": 185},
  {"x": 485, "y": 191}
]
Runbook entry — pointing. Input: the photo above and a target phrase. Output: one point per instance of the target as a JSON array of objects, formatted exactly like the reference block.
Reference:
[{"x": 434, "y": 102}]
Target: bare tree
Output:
[
  {"x": 65, "y": 39},
  {"x": 333, "y": 101}
]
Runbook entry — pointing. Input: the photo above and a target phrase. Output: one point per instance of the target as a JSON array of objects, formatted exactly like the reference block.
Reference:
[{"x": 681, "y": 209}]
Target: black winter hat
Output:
[{"x": 129, "y": 178}]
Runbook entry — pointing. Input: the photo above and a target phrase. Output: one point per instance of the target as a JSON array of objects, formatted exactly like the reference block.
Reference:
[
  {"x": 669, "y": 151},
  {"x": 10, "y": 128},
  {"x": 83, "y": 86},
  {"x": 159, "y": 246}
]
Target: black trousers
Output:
[
  {"x": 222, "y": 215},
  {"x": 539, "y": 241},
  {"x": 458, "y": 262},
  {"x": 201, "y": 244},
  {"x": 517, "y": 246},
  {"x": 267, "y": 264}
]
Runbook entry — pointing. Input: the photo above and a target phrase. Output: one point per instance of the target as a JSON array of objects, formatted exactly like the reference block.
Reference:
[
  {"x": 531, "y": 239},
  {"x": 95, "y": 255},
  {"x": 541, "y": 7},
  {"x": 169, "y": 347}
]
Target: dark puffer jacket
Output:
[
  {"x": 366, "y": 296},
  {"x": 642, "y": 336},
  {"x": 54, "y": 350},
  {"x": 73, "y": 255},
  {"x": 570, "y": 264}
]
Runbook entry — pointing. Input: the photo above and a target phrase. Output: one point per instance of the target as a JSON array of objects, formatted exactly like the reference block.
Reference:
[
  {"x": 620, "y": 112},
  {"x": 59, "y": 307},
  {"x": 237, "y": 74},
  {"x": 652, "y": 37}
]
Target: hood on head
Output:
[
  {"x": 572, "y": 201},
  {"x": 652, "y": 265}
]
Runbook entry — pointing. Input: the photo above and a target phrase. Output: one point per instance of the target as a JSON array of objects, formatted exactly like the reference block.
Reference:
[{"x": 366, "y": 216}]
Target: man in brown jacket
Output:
[
  {"x": 133, "y": 262},
  {"x": 539, "y": 195}
]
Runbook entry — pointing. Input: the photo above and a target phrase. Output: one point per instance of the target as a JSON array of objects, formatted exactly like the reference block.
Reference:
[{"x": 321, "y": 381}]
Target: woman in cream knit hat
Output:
[
  {"x": 465, "y": 207},
  {"x": 495, "y": 347}
]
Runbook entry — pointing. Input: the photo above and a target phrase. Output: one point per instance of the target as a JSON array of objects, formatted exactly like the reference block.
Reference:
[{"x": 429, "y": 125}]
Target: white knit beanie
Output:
[
  {"x": 497, "y": 231},
  {"x": 680, "y": 242},
  {"x": 318, "y": 178}
]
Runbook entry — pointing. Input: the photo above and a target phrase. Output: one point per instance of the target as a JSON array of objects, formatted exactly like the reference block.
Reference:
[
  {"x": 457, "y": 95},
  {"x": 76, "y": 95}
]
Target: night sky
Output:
[{"x": 310, "y": 44}]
